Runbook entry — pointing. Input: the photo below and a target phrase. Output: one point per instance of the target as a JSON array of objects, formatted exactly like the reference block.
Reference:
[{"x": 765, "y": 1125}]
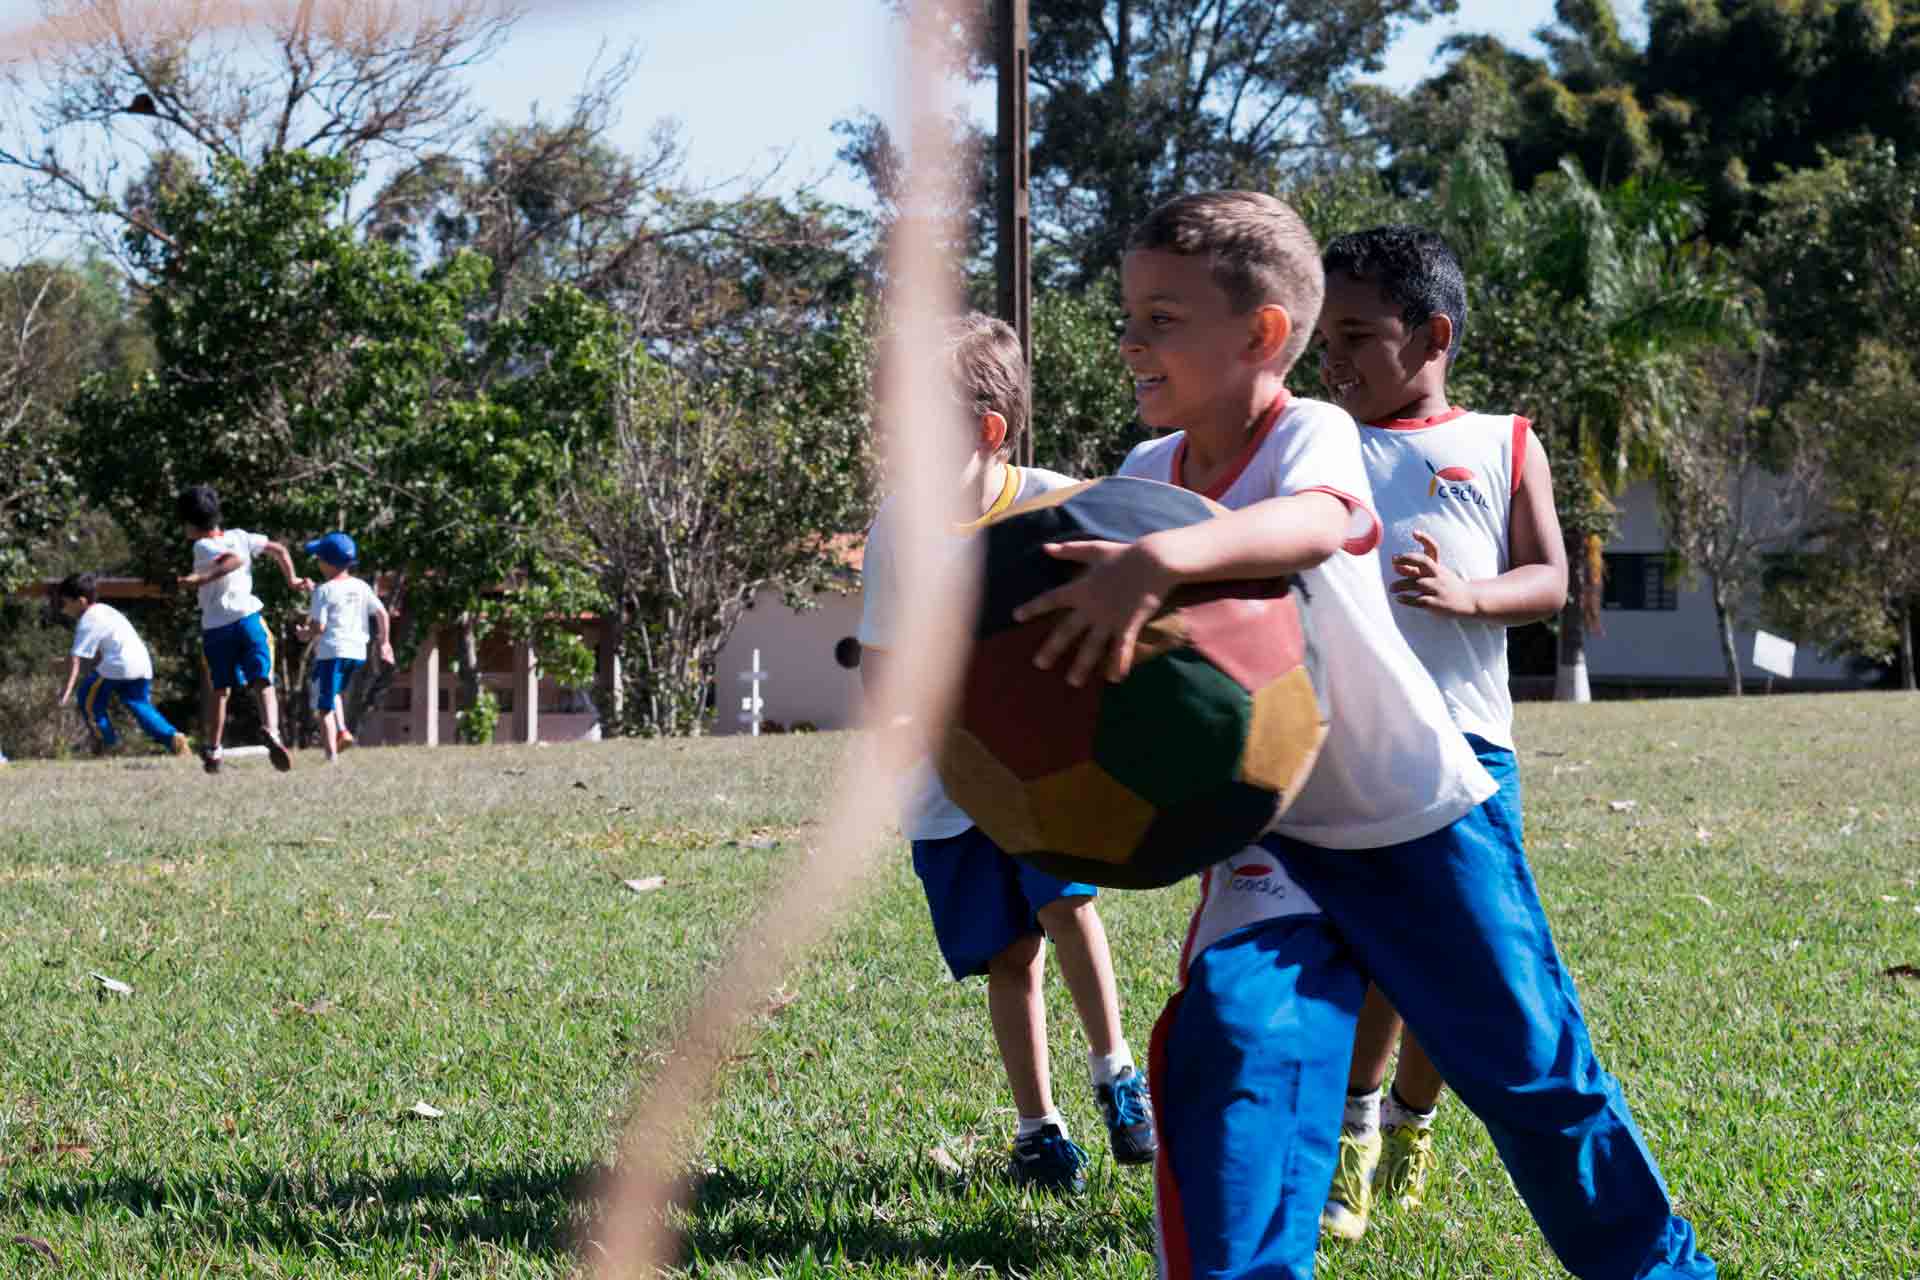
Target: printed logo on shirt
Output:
[
  {"x": 1259, "y": 877},
  {"x": 1455, "y": 484}
]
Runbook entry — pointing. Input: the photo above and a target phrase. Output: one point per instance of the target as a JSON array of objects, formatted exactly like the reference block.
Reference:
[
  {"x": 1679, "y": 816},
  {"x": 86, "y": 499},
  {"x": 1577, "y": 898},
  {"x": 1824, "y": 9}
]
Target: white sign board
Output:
[{"x": 1772, "y": 654}]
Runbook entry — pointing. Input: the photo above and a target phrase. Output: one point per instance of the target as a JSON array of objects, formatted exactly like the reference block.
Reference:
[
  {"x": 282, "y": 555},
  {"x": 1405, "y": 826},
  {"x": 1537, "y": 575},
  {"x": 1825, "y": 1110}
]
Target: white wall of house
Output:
[
  {"x": 804, "y": 683},
  {"x": 1681, "y": 643}
]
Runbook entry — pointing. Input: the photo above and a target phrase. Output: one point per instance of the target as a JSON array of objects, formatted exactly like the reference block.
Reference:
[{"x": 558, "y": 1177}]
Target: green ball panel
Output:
[{"x": 1174, "y": 729}]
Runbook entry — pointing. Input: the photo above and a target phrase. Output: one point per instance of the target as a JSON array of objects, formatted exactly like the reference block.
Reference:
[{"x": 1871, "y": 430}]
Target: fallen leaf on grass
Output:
[
  {"x": 1702, "y": 834},
  {"x": 1702, "y": 899},
  {"x": 61, "y": 1150},
  {"x": 1903, "y": 971},
  {"x": 425, "y": 1110},
  {"x": 646, "y": 884},
  {"x": 1623, "y": 806},
  {"x": 379, "y": 915},
  {"x": 780, "y": 1001},
  {"x": 580, "y": 786},
  {"x": 1887, "y": 897},
  {"x": 515, "y": 773},
  {"x": 114, "y": 985},
  {"x": 317, "y": 1006},
  {"x": 757, "y": 842},
  {"x": 40, "y": 1247},
  {"x": 944, "y": 1158}
]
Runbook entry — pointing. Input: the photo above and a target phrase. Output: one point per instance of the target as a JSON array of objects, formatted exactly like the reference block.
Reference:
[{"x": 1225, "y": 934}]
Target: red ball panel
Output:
[{"x": 1032, "y": 721}]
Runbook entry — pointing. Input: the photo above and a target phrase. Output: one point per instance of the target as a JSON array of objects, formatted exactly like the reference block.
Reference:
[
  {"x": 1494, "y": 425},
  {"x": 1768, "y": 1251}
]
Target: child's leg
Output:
[
  {"x": 1017, "y": 1007},
  {"x": 269, "y": 699},
  {"x": 217, "y": 717},
  {"x": 1498, "y": 1014},
  {"x": 1080, "y": 944},
  {"x": 94, "y": 700},
  {"x": 1416, "y": 1081},
  {"x": 137, "y": 695},
  {"x": 1373, "y": 1041},
  {"x": 1249, "y": 1063}
]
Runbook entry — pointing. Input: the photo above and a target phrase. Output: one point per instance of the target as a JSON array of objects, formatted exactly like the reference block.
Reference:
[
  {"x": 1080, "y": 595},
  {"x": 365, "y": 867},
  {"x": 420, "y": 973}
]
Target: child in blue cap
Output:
[{"x": 343, "y": 609}]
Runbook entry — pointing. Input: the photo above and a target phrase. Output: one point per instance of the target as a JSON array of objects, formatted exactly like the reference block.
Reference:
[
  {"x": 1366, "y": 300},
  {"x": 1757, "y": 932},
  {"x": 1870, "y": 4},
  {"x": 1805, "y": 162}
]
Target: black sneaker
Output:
[
  {"x": 1049, "y": 1160},
  {"x": 1129, "y": 1112},
  {"x": 210, "y": 759},
  {"x": 277, "y": 752}
]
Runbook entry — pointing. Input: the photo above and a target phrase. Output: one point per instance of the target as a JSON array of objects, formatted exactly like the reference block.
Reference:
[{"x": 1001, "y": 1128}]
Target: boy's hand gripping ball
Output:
[{"x": 1137, "y": 784}]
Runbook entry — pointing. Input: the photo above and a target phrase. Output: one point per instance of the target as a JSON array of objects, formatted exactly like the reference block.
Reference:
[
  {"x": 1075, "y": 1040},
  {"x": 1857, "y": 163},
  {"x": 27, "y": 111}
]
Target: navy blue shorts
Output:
[
  {"x": 331, "y": 676},
  {"x": 982, "y": 900},
  {"x": 239, "y": 654}
]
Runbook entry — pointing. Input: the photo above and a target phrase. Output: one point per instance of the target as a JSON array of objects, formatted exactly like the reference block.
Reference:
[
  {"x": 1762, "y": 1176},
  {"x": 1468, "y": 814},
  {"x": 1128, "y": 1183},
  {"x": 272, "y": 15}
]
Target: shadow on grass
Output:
[
  {"x": 881, "y": 1212},
  {"x": 530, "y": 1210},
  {"x": 872, "y": 1213}
]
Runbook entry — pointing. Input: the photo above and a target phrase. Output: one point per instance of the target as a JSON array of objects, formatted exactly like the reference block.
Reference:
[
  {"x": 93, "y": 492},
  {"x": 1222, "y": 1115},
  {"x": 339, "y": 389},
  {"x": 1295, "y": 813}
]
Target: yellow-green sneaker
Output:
[
  {"x": 1351, "y": 1198},
  {"x": 1405, "y": 1161}
]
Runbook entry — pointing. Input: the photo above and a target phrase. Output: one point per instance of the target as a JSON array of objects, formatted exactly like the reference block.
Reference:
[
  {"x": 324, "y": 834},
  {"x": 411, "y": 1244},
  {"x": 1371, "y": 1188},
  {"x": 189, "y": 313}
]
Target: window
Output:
[{"x": 1639, "y": 580}]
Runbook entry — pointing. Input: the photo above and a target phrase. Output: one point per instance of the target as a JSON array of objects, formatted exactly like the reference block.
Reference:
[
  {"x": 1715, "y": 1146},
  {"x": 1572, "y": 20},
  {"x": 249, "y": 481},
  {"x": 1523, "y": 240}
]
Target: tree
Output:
[
  {"x": 712, "y": 489},
  {"x": 1588, "y": 305},
  {"x": 1736, "y": 485},
  {"x": 1135, "y": 101},
  {"x": 1840, "y": 253},
  {"x": 59, "y": 323},
  {"x": 378, "y": 85},
  {"x": 317, "y": 381}
]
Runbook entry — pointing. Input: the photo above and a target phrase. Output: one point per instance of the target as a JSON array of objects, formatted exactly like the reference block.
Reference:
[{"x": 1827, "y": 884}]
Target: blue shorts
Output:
[
  {"x": 239, "y": 654},
  {"x": 982, "y": 900},
  {"x": 331, "y": 676}
]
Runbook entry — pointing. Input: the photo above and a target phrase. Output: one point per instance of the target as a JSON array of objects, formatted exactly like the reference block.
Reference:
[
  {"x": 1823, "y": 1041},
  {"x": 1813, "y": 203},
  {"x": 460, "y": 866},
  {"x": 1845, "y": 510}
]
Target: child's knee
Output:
[
  {"x": 1017, "y": 962},
  {"x": 1068, "y": 915}
]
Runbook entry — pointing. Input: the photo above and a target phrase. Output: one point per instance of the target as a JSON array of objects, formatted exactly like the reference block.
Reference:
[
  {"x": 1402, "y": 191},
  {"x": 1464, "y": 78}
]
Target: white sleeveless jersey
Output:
[
  {"x": 1453, "y": 478},
  {"x": 1393, "y": 767}
]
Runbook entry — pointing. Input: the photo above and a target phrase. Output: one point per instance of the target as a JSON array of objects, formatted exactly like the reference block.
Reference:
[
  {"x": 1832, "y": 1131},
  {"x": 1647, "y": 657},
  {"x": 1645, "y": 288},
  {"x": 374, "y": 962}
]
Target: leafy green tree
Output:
[
  {"x": 318, "y": 381},
  {"x": 711, "y": 489},
  {"x": 1839, "y": 252},
  {"x": 59, "y": 323},
  {"x": 1586, "y": 308},
  {"x": 1135, "y": 101}
]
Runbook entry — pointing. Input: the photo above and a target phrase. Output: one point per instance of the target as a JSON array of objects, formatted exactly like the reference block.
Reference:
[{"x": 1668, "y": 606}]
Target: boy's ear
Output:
[
  {"x": 993, "y": 431},
  {"x": 1269, "y": 327},
  {"x": 1439, "y": 335}
]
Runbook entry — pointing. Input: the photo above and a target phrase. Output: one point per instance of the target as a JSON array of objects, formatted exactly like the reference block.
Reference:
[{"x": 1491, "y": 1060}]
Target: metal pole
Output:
[{"x": 1014, "y": 253}]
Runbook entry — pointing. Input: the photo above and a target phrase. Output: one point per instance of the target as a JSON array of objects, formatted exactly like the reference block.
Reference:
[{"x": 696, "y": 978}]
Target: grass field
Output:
[{"x": 311, "y": 956}]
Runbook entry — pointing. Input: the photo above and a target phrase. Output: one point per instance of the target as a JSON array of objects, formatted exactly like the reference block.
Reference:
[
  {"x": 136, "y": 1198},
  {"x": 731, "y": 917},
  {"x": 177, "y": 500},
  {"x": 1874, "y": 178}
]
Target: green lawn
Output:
[{"x": 311, "y": 956}]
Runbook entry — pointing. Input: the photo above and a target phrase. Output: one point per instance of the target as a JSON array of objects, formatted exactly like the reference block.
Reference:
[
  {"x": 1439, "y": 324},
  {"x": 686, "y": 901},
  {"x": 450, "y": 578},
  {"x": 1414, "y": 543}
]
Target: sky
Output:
[
  {"x": 756, "y": 85},
  {"x": 759, "y": 82}
]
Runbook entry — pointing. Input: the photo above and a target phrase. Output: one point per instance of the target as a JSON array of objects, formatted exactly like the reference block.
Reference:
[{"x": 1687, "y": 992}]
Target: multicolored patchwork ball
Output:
[{"x": 1135, "y": 784}]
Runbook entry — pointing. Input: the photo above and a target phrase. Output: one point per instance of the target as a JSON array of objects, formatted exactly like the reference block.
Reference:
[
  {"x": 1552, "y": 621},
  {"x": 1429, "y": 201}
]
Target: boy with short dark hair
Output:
[
  {"x": 1466, "y": 500},
  {"x": 343, "y": 609},
  {"x": 235, "y": 645},
  {"x": 122, "y": 668},
  {"x": 990, "y": 912},
  {"x": 1250, "y": 1058}
]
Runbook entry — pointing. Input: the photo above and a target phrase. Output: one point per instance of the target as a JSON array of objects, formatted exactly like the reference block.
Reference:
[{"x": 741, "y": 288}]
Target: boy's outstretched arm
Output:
[
  {"x": 1125, "y": 584},
  {"x": 1533, "y": 587},
  {"x": 73, "y": 678},
  {"x": 383, "y": 629},
  {"x": 219, "y": 569},
  {"x": 281, "y": 557}
]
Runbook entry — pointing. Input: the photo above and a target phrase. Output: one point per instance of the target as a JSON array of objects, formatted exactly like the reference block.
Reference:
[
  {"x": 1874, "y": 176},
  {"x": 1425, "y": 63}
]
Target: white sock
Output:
[
  {"x": 1105, "y": 1068},
  {"x": 1395, "y": 1113},
  {"x": 1028, "y": 1127},
  {"x": 1363, "y": 1113}
]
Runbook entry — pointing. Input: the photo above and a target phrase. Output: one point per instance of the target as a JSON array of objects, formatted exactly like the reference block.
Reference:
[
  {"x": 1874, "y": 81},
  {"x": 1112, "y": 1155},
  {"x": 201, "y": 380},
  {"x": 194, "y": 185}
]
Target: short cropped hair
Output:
[
  {"x": 199, "y": 507},
  {"x": 1414, "y": 269},
  {"x": 989, "y": 370},
  {"x": 1260, "y": 252},
  {"x": 79, "y": 586}
]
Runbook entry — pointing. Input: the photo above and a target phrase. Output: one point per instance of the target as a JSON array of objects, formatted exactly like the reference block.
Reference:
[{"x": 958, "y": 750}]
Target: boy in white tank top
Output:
[{"x": 1470, "y": 546}]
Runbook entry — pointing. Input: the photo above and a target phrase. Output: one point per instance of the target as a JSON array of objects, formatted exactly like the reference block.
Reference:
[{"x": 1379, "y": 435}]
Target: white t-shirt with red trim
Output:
[
  {"x": 926, "y": 811},
  {"x": 1394, "y": 767},
  {"x": 1452, "y": 477}
]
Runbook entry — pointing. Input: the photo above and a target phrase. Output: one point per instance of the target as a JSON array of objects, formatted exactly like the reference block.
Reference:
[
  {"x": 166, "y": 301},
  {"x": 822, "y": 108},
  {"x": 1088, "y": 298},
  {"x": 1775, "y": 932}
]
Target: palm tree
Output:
[{"x": 1587, "y": 306}]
